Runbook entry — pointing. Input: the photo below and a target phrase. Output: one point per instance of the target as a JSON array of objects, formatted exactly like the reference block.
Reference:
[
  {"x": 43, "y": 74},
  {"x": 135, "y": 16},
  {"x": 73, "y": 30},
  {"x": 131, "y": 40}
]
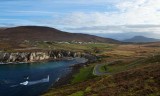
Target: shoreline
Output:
[
  {"x": 66, "y": 80},
  {"x": 41, "y": 61},
  {"x": 75, "y": 69}
]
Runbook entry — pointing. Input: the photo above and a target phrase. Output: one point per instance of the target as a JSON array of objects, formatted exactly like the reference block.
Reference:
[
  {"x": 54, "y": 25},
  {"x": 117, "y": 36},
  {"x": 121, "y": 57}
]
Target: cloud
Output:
[
  {"x": 120, "y": 32},
  {"x": 130, "y": 12},
  {"x": 117, "y": 29},
  {"x": 96, "y": 16},
  {"x": 131, "y": 17}
]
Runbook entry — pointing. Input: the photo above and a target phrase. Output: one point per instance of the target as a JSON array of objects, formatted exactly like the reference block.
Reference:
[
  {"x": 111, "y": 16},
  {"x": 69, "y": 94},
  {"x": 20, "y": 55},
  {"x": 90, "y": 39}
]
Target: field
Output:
[
  {"x": 45, "y": 45},
  {"x": 84, "y": 74}
]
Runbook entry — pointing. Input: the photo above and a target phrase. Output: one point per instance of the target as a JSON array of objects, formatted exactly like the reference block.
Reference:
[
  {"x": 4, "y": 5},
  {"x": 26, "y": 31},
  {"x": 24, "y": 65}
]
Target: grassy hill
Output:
[{"x": 39, "y": 33}]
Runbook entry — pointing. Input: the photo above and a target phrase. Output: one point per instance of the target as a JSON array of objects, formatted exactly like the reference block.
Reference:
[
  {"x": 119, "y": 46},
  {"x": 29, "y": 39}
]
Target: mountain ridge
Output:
[
  {"x": 41, "y": 33},
  {"x": 141, "y": 39}
]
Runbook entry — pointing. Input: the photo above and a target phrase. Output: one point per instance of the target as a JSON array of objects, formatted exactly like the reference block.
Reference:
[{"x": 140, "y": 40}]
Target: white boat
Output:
[
  {"x": 24, "y": 83},
  {"x": 44, "y": 80}
]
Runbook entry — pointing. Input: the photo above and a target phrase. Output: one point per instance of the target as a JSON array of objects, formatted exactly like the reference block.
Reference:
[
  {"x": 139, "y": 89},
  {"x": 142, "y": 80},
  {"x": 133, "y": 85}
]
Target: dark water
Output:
[{"x": 12, "y": 75}]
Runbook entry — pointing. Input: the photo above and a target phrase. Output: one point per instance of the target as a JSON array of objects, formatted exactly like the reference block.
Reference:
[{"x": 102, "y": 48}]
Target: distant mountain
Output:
[
  {"x": 1, "y": 29},
  {"x": 125, "y": 35},
  {"x": 40, "y": 33},
  {"x": 141, "y": 39}
]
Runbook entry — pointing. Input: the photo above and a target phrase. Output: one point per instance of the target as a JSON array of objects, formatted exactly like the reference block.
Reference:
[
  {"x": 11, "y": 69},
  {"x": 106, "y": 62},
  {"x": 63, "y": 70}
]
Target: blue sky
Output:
[
  {"x": 85, "y": 16},
  {"x": 41, "y": 12}
]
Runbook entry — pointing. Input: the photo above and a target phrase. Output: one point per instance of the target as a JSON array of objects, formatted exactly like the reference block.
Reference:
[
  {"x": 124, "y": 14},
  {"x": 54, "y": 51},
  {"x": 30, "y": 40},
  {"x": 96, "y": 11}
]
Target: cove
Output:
[{"x": 14, "y": 78}]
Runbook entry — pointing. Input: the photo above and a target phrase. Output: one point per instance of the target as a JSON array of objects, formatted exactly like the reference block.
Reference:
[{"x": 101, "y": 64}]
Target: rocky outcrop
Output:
[{"x": 6, "y": 57}]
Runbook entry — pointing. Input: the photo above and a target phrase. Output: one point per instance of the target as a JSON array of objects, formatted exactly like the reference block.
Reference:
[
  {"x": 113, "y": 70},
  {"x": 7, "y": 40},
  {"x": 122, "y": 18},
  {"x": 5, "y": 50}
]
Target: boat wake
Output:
[
  {"x": 14, "y": 85},
  {"x": 27, "y": 83}
]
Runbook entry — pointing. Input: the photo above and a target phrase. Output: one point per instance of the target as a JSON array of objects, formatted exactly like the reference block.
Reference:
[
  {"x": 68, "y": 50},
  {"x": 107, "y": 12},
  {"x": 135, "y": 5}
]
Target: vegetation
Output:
[
  {"x": 103, "y": 68},
  {"x": 87, "y": 47},
  {"x": 133, "y": 71},
  {"x": 94, "y": 48},
  {"x": 84, "y": 74},
  {"x": 141, "y": 81},
  {"x": 79, "y": 93}
]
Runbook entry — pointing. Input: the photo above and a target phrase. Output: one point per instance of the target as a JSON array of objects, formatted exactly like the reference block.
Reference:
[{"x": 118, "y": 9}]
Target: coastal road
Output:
[{"x": 97, "y": 72}]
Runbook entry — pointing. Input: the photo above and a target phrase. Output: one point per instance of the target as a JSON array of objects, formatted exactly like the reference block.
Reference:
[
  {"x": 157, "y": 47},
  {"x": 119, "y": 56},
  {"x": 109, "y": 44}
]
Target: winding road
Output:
[{"x": 97, "y": 72}]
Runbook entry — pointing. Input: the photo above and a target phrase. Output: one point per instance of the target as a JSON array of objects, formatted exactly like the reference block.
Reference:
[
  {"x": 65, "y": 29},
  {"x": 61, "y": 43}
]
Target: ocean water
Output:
[{"x": 40, "y": 76}]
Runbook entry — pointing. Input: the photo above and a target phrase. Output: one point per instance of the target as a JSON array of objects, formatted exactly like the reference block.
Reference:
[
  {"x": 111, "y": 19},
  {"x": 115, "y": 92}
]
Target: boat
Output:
[{"x": 24, "y": 83}]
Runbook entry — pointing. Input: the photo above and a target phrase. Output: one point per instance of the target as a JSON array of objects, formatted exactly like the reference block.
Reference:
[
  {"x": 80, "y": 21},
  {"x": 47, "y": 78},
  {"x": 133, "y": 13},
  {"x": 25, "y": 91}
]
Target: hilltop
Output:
[{"x": 40, "y": 33}]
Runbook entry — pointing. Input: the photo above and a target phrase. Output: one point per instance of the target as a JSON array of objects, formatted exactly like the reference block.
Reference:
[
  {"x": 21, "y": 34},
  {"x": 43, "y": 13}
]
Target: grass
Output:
[
  {"x": 79, "y": 93},
  {"x": 121, "y": 53},
  {"x": 119, "y": 66},
  {"x": 135, "y": 74},
  {"x": 122, "y": 66},
  {"x": 131, "y": 76},
  {"x": 103, "y": 68},
  {"x": 135, "y": 78},
  {"x": 142, "y": 81},
  {"x": 76, "y": 47},
  {"x": 88, "y": 89},
  {"x": 85, "y": 73}
]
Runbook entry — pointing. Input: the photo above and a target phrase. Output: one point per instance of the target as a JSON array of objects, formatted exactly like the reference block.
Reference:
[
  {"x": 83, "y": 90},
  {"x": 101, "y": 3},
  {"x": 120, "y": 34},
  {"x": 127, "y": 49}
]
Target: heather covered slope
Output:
[
  {"x": 131, "y": 70},
  {"x": 141, "y": 80},
  {"x": 1, "y": 29},
  {"x": 40, "y": 33}
]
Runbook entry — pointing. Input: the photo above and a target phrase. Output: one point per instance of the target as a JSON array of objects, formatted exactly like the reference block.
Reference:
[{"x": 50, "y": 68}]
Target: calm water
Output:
[{"x": 12, "y": 75}]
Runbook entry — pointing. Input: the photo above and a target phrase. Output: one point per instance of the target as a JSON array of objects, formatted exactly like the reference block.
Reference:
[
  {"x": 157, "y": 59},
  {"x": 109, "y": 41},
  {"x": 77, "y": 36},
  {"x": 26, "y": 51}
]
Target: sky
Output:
[{"x": 99, "y": 17}]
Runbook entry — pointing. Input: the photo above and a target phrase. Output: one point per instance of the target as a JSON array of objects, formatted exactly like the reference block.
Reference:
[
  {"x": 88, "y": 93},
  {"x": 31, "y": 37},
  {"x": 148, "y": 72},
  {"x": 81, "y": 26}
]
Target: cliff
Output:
[{"x": 6, "y": 57}]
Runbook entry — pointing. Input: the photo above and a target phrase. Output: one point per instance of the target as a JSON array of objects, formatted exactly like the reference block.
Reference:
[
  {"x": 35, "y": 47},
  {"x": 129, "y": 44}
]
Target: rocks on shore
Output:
[{"x": 6, "y": 57}]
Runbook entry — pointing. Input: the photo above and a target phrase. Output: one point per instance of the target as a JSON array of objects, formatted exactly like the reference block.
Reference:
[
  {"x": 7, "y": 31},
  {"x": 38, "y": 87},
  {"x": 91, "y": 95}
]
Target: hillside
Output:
[
  {"x": 40, "y": 33},
  {"x": 141, "y": 39},
  {"x": 1, "y": 29},
  {"x": 126, "y": 70},
  {"x": 138, "y": 82}
]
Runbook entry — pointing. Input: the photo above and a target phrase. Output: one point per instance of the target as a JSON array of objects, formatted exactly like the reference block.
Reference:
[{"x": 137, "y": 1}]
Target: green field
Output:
[
  {"x": 94, "y": 48},
  {"x": 83, "y": 74}
]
